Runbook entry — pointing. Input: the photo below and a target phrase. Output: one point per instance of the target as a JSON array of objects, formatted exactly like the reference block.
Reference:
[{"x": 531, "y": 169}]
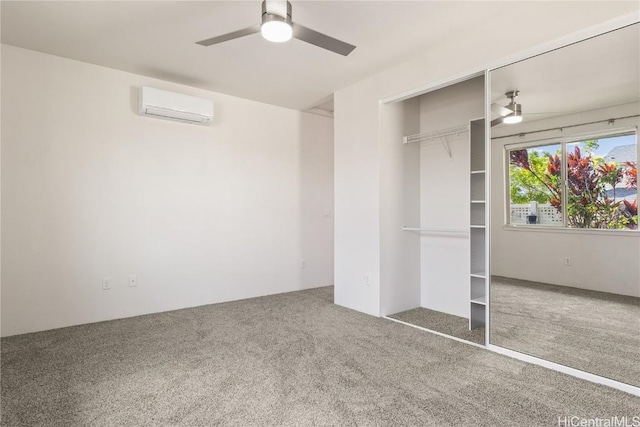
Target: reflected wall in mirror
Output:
[{"x": 565, "y": 245}]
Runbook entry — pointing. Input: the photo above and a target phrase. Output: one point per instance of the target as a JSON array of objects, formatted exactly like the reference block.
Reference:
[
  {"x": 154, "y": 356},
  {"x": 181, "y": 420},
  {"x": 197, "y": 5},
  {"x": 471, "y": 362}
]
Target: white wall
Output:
[
  {"x": 600, "y": 260},
  {"x": 358, "y": 121},
  {"x": 200, "y": 214},
  {"x": 315, "y": 182},
  {"x": 444, "y": 196},
  {"x": 357, "y": 199}
]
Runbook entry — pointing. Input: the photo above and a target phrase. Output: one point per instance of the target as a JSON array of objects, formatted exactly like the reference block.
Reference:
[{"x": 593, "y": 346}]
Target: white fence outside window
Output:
[{"x": 547, "y": 214}]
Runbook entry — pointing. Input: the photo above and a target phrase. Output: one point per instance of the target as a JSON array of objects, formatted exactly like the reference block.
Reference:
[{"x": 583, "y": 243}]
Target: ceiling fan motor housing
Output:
[
  {"x": 513, "y": 105},
  {"x": 516, "y": 108},
  {"x": 275, "y": 12}
]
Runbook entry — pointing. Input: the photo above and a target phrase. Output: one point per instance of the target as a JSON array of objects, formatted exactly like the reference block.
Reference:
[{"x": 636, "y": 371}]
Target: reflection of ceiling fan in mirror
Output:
[
  {"x": 277, "y": 26},
  {"x": 510, "y": 113}
]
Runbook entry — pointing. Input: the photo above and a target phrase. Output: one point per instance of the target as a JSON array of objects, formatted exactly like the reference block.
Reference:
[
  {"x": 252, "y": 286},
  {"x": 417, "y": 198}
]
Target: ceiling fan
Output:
[
  {"x": 278, "y": 27},
  {"x": 510, "y": 113}
]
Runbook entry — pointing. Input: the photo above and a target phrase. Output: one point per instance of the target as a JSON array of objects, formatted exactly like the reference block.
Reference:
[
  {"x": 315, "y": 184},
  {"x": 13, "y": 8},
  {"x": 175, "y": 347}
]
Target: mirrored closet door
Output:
[{"x": 565, "y": 245}]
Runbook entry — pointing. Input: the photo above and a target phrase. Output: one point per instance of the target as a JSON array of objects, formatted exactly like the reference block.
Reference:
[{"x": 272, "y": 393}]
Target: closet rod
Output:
[
  {"x": 560, "y": 128},
  {"x": 436, "y": 134},
  {"x": 435, "y": 230}
]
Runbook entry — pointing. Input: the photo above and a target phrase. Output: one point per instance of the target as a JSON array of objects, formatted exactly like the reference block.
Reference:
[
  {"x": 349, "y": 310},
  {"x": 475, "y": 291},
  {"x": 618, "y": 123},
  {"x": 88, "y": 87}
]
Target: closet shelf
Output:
[
  {"x": 440, "y": 135},
  {"x": 479, "y": 300},
  {"x": 436, "y": 134}
]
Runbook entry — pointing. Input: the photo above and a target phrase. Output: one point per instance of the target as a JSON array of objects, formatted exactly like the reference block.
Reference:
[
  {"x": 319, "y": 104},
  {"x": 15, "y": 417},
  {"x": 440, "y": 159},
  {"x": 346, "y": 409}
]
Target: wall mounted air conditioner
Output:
[{"x": 167, "y": 105}]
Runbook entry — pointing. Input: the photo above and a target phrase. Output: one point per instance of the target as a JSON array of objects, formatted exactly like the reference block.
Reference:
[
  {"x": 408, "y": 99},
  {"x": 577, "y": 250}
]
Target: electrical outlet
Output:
[
  {"x": 133, "y": 281},
  {"x": 303, "y": 264},
  {"x": 106, "y": 283},
  {"x": 567, "y": 261},
  {"x": 367, "y": 280}
]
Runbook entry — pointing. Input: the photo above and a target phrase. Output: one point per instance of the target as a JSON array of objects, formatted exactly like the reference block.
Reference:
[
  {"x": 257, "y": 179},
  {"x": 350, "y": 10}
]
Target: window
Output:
[{"x": 588, "y": 183}]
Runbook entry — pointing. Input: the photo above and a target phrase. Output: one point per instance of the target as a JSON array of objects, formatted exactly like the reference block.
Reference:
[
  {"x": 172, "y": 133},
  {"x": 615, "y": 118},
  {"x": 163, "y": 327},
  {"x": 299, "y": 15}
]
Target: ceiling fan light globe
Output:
[
  {"x": 516, "y": 115},
  {"x": 512, "y": 119},
  {"x": 276, "y": 31}
]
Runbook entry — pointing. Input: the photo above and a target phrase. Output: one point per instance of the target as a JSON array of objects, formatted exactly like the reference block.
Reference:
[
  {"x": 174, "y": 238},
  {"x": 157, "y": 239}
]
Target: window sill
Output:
[{"x": 564, "y": 230}]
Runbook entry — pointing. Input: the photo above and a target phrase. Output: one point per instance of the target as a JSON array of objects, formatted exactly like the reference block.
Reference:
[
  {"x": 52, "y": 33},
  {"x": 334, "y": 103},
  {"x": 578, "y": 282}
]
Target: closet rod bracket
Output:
[{"x": 446, "y": 146}]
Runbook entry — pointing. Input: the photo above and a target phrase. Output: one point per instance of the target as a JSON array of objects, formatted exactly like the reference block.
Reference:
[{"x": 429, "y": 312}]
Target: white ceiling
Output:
[{"x": 157, "y": 39}]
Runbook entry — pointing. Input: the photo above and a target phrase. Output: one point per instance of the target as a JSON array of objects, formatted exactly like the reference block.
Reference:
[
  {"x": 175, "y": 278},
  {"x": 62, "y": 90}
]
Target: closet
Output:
[{"x": 445, "y": 228}]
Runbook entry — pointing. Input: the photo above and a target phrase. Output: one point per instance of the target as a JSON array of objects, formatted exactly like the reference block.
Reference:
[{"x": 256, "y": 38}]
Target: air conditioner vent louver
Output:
[
  {"x": 174, "y": 115},
  {"x": 167, "y": 105}
]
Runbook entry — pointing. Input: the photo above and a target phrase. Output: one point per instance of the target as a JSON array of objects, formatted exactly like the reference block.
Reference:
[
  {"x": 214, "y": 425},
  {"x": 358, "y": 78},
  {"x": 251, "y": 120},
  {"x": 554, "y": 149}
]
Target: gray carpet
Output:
[
  {"x": 292, "y": 359},
  {"x": 591, "y": 331},
  {"x": 448, "y": 324}
]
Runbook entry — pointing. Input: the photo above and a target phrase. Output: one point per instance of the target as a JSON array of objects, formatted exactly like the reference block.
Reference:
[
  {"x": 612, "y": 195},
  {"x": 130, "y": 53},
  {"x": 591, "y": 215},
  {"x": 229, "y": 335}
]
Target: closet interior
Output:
[{"x": 445, "y": 228}]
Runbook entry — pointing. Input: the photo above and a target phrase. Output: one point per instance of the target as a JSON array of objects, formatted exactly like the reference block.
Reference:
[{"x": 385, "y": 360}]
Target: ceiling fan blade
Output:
[
  {"x": 499, "y": 109},
  {"x": 321, "y": 40},
  {"x": 496, "y": 121},
  {"x": 230, "y": 36}
]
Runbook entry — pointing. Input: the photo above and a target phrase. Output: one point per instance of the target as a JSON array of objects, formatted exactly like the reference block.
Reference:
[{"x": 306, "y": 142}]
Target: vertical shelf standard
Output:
[{"x": 477, "y": 227}]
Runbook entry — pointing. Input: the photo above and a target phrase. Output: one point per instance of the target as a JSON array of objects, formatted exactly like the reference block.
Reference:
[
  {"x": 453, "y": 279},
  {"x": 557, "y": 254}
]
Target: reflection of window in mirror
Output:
[
  {"x": 589, "y": 182},
  {"x": 563, "y": 274}
]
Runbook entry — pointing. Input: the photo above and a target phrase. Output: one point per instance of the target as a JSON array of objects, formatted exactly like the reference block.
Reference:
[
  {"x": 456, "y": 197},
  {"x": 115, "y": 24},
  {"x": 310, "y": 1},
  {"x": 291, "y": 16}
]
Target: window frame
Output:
[{"x": 563, "y": 142}]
